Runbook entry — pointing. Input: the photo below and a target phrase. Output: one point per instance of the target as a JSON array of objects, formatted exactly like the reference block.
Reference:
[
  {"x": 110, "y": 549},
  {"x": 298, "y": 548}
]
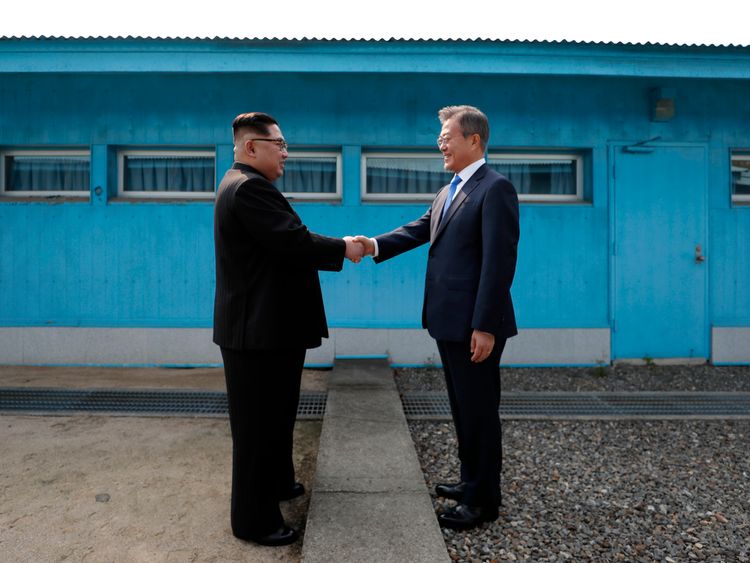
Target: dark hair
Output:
[
  {"x": 256, "y": 121},
  {"x": 470, "y": 119}
]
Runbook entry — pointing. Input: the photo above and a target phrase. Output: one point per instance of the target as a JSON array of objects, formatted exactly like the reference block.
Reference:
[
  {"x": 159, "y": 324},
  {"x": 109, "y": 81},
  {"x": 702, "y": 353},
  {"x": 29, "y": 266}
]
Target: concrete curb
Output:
[{"x": 369, "y": 500}]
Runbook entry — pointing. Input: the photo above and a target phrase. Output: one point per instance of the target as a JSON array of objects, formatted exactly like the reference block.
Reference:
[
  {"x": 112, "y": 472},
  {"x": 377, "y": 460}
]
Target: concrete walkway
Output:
[{"x": 369, "y": 500}]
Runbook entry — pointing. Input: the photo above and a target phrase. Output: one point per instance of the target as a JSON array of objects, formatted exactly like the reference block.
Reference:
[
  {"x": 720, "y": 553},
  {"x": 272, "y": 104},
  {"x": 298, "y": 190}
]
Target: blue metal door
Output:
[{"x": 659, "y": 253}]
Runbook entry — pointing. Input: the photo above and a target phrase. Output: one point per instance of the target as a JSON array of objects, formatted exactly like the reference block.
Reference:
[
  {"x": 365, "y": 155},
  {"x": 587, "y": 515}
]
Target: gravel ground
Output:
[
  {"x": 631, "y": 491},
  {"x": 604, "y": 378}
]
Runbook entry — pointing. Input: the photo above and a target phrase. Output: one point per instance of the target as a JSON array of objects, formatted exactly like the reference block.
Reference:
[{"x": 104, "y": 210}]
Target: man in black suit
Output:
[
  {"x": 473, "y": 230},
  {"x": 268, "y": 310}
]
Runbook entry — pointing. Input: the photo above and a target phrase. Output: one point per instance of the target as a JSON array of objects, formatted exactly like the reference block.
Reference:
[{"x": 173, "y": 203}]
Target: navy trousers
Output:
[{"x": 474, "y": 394}]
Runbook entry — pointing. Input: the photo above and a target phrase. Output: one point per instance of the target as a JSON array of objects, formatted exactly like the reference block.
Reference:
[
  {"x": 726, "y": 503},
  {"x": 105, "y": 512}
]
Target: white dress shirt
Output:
[{"x": 465, "y": 176}]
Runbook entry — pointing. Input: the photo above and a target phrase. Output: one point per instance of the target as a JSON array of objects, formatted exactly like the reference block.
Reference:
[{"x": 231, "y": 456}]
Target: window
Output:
[
  {"x": 741, "y": 177},
  {"x": 399, "y": 176},
  {"x": 536, "y": 177},
  {"x": 45, "y": 173},
  {"x": 159, "y": 173},
  {"x": 541, "y": 177},
  {"x": 311, "y": 175}
]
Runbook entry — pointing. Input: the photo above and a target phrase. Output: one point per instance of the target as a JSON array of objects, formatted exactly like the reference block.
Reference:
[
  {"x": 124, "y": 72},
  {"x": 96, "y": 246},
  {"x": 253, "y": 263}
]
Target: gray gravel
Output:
[
  {"x": 603, "y": 378},
  {"x": 629, "y": 491}
]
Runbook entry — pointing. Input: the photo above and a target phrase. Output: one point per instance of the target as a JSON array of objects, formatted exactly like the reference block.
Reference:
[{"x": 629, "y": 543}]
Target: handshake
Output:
[{"x": 358, "y": 247}]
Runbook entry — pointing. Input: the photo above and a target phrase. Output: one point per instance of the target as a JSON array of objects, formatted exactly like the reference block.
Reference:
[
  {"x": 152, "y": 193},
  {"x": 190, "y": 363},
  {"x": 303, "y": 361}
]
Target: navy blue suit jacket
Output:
[{"x": 472, "y": 258}]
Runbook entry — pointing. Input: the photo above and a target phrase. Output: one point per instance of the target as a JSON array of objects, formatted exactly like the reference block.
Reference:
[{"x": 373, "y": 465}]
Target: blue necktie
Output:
[{"x": 451, "y": 192}]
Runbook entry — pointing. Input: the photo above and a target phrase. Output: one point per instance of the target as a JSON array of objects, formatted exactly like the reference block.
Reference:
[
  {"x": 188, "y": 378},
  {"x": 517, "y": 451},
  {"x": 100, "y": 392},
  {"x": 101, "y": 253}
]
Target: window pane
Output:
[
  {"x": 741, "y": 174},
  {"x": 46, "y": 173},
  {"x": 168, "y": 173},
  {"x": 308, "y": 175},
  {"x": 395, "y": 175},
  {"x": 536, "y": 176}
]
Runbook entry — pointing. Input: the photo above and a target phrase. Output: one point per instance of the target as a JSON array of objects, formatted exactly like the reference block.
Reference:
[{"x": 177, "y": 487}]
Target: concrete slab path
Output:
[{"x": 369, "y": 500}]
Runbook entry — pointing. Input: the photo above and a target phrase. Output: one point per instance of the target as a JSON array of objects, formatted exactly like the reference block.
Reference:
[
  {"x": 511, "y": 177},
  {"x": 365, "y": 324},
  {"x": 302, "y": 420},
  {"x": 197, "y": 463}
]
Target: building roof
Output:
[
  {"x": 355, "y": 39},
  {"x": 475, "y": 56}
]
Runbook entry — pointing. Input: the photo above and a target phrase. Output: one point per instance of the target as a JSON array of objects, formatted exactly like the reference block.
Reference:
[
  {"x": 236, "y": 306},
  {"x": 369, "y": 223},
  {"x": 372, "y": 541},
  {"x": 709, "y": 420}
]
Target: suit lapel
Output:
[
  {"x": 462, "y": 196},
  {"x": 437, "y": 207}
]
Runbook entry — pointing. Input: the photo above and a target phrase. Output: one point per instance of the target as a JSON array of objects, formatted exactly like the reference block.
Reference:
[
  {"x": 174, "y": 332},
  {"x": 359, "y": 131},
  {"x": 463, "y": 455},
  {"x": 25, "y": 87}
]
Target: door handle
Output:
[{"x": 699, "y": 254}]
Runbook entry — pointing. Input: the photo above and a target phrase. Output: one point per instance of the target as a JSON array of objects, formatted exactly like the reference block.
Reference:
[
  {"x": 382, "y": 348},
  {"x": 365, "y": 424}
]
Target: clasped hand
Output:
[{"x": 358, "y": 247}]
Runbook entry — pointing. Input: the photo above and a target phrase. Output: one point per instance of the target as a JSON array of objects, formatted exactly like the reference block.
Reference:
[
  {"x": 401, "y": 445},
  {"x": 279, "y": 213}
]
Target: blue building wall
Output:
[{"x": 109, "y": 263}]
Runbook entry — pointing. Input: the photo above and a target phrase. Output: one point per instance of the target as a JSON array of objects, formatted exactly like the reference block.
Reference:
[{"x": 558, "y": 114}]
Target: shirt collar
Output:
[{"x": 469, "y": 171}]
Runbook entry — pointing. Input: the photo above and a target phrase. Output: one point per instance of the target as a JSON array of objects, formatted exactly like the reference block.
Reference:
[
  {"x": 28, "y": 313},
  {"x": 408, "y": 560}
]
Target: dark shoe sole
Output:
[
  {"x": 440, "y": 490},
  {"x": 276, "y": 539},
  {"x": 463, "y": 524},
  {"x": 451, "y": 496},
  {"x": 297, "y": 491}
]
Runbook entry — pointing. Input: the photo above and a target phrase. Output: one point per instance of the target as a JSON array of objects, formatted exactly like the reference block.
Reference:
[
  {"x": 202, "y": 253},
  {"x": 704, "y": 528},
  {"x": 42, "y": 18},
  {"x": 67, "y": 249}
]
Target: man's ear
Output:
[
  {"x": 249, "y": 147},
  {"x": 477, "y": 141}
]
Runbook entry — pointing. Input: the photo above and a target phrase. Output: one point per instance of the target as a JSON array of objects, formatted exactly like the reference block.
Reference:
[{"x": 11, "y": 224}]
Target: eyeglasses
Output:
[
  {"x": 445, "y": 140},
  {"x": 281, "y": 143},
  {"x": 442, "y": 141}
]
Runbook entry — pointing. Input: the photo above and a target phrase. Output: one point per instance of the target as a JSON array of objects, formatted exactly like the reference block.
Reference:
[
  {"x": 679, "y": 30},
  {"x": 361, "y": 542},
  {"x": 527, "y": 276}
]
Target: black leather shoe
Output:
[
  {"x": 464, "y": 517},
  {"x": 283, "y": 536},
  {"x": 297, "y": 490},
  {"x": 453, "y": 491}
]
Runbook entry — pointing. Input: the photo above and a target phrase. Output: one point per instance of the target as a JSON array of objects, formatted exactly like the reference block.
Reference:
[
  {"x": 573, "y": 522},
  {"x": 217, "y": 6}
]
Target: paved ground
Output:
[
  {"x": 100, "y": 488},
  {"x": 201, "y": 379}
]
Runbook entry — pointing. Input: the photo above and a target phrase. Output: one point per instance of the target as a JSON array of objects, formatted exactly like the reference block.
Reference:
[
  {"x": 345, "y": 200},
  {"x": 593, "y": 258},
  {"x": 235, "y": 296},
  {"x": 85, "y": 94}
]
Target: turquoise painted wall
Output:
[{"x": 146, "y": 264}]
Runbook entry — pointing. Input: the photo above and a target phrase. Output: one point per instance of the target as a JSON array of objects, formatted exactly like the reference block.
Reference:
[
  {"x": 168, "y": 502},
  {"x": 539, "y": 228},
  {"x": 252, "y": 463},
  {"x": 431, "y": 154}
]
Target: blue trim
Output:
[
  {"x": 435, "y": 366},
  {"x": 363, "y": 357},
  {"x": 423, "y": 57}
]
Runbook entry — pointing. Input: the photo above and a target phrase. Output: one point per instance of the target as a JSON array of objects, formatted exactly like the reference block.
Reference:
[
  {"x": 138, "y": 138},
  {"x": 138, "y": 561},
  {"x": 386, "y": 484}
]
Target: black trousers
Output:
[
  {"x": 474, "y": 394},
  {"x": 263, "y": 393}
]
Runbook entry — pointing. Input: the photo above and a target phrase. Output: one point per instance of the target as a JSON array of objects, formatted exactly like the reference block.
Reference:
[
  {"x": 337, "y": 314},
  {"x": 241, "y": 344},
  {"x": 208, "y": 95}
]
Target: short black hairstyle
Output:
[{"x": 256, "y": 121}]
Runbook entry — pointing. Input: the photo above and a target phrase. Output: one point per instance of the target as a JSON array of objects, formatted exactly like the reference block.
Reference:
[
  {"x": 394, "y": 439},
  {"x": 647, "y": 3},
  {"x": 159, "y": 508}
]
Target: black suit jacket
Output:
[
  {"x": 472, "y": 258},
  {"x": 267, "y": 288}
]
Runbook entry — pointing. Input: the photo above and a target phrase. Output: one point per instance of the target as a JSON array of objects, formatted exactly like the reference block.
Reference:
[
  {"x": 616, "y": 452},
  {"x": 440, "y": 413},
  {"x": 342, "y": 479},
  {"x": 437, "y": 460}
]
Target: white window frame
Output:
[
  {"x": 741, "y": 199},
  {"x": 166, "y": 153},
  {"x": 46, "y": 152},
  {"x": 562, "y": 157},
  {"x": 317, "y": 195},
  {"x": 366, "y": 196}
]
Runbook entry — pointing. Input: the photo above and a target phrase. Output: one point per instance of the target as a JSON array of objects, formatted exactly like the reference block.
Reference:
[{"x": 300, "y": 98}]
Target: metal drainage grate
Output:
[
  {"x": 144, "y": 402},
  {"x": 435, "y": 405}
]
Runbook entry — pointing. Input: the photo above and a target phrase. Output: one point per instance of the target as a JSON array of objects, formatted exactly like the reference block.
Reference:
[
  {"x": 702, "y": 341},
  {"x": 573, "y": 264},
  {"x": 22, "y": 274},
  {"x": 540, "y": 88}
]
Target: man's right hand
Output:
[
  {"x": 354, "y": 249},
  {"x": 366, "y": 243}
]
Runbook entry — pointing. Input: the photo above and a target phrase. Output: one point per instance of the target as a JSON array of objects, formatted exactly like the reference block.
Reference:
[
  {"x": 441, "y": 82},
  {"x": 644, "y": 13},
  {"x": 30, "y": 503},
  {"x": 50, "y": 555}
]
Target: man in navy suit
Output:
[{"x": 472, "y": 227}]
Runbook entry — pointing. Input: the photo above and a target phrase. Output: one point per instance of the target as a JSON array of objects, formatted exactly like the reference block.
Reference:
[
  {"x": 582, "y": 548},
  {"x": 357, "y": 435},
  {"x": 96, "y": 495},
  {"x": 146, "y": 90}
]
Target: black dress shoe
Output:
[
  {"x": 452, "y": 491},
  {"x": 464, "y": 517},
  {"x": 283, "y": 536},
  {"x": 297, "y": 490}
]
